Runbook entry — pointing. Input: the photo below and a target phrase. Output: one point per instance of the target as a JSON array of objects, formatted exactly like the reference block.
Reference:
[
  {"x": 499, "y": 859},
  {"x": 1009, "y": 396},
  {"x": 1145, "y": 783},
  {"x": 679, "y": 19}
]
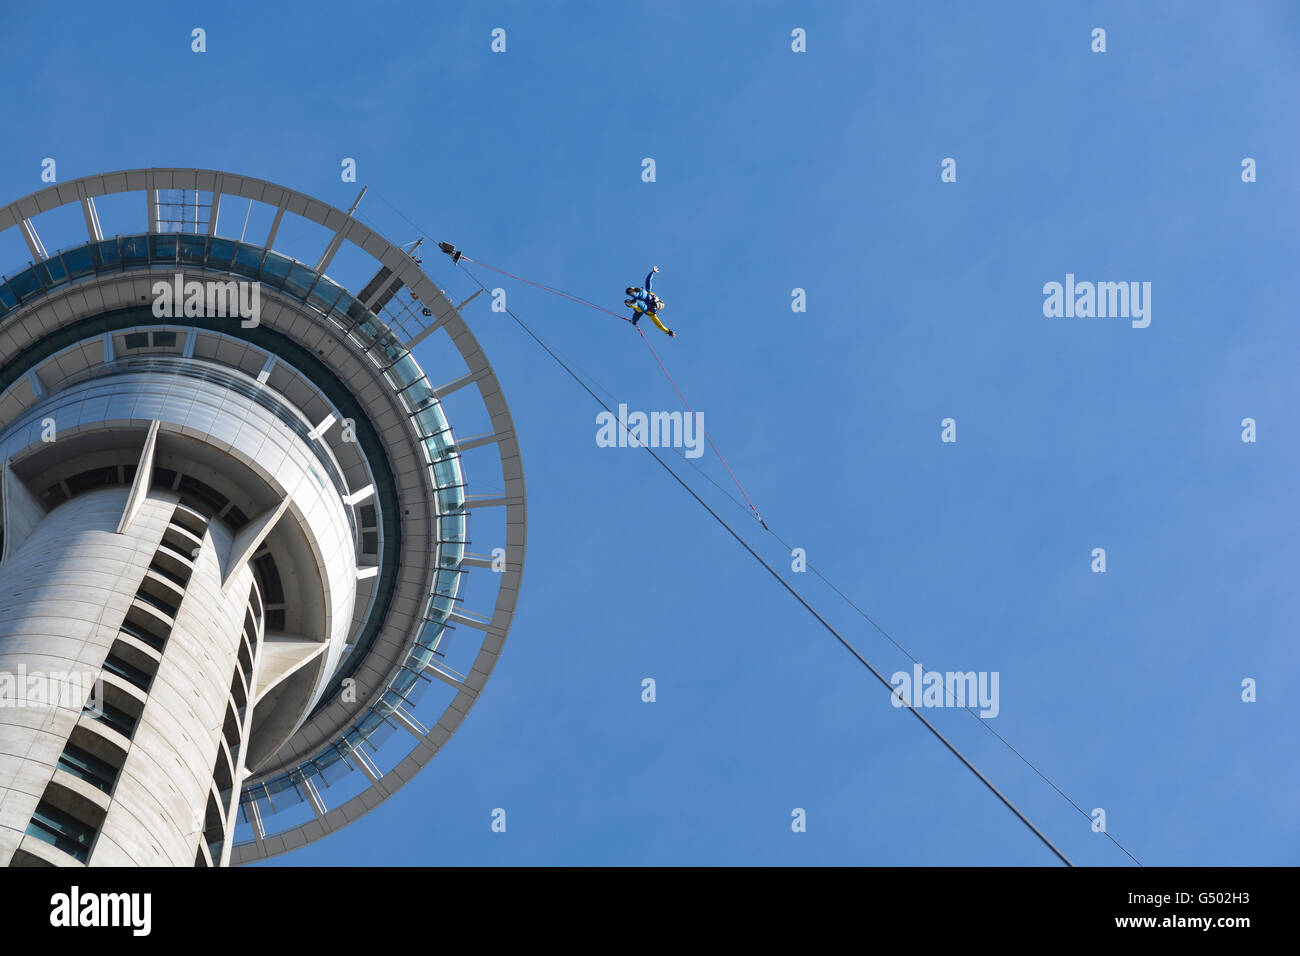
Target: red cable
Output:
[
  {"x": 572, "y": 298},
  {"x": 592, "y": 305},
  {"x": 706, "y": 433}
]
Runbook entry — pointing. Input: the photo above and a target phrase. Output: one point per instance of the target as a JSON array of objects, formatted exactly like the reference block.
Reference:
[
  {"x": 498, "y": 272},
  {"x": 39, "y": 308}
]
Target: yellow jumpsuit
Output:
[{"x": 654, "y": 317}]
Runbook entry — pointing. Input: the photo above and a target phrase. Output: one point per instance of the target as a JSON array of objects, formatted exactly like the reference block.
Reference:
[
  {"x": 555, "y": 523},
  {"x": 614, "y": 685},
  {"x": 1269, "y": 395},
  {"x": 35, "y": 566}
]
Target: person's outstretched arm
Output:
[{"x": 649, "y": 280}]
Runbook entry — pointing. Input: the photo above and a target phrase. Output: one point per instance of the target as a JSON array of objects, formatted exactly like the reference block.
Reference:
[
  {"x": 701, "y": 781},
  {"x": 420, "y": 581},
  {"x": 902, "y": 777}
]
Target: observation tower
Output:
[{"x": 239, "y": 603}]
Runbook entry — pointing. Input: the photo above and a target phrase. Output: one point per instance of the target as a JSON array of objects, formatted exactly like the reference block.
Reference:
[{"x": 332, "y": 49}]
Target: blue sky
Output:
[{"x": 820, "y": 170}]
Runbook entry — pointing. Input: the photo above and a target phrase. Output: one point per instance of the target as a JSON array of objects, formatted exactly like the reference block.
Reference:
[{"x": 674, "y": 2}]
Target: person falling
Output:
[{"x": 645, "y": 302}]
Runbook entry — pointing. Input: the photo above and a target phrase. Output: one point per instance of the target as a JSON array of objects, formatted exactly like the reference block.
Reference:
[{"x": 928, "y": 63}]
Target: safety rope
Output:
[
  {"x": 574, "y": 298},
  {"x": 798, "y": 597},
  {"x": 566, "y": 366},
  {"x": 658, "y": 360},
  {"x": 948, "y": 693},
  {"x": 706, "y": 434}
]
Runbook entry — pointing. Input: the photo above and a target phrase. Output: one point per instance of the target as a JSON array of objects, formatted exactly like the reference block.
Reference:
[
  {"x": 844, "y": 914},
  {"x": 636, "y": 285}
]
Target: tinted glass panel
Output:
[
  {"x": 164, "y": 248},
  {"x": 356, "y": 311},
  {"x": 300, "y": 280},
  {"x": 78, "y": 262},
  {"x": 430, "y": 420},
  {"x": 128, "y": 673},
  {"x": 106, "y": 254},
  {"x": 135, "y": 250},
  {"x": 221, "y": 252},
  {"x": 56, "y": 271},
  {"x": 391, "y": 349},
  {"x": 88, "y": 767},
  {"x": 405, "y": 372},
  {"x": 63, "y": 830},
  {"x": 419, "y": 395},
  {"x": 25, "y": 283},
  {"x": 193, "y": 248},
  {"x": 114, "y": 717},
  {"x": 324, "y": 295},
  {"x": 447, "y": 472},
  {"x": 368, "y": 328},
  {"x": 275, "y": 268},
  {"x": 248, "y": 260}
]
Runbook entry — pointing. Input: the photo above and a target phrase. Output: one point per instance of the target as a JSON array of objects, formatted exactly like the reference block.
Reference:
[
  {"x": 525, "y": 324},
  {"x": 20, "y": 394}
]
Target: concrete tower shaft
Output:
[
  {"x": 276, "y": 507},
  {"x": 67, "y": 590},
  {"x": 128, "y": 585}
]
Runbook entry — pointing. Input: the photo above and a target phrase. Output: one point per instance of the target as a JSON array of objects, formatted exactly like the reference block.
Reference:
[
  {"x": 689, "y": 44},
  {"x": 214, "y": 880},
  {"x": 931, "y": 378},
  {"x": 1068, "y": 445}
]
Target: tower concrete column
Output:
[
  {"x": 64, "y": 595},
  {"x": 250, "y": 529}
]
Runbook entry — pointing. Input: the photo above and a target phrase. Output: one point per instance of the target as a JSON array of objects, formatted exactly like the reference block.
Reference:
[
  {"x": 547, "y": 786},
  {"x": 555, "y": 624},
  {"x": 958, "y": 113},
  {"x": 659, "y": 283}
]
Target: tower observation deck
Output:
[{"x": 239, "y": 602}]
